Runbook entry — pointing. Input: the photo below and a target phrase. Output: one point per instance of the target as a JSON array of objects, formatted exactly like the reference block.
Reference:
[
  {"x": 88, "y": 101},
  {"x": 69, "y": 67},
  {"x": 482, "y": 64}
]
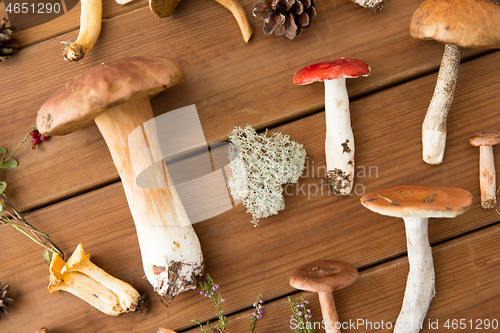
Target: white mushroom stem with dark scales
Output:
[
  {"x": 329, "y": 312},
  {"x": 434, "y": 126},
  {"x": 171, "y": 252},
  {"x": 420, "y": 283},
  {"x": 90, "y": 28},
  {"x": 339, "y": 142}
]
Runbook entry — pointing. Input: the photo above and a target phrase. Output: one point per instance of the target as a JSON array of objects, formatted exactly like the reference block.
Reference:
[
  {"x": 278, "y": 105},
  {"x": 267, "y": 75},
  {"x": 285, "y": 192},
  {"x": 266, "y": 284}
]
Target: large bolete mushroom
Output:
[
  {"x": 114, "y": 95},
  {"x": 458, "y": 24},
  {"x": 416, "y": 204}
]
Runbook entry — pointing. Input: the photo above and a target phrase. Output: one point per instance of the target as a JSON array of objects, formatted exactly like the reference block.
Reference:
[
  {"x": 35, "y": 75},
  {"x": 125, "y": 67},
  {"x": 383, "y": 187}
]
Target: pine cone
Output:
[
  {"x": 286, "y": 17},
  {"x": 6, "y": 39},
  {"x": 4, "y": 300}
]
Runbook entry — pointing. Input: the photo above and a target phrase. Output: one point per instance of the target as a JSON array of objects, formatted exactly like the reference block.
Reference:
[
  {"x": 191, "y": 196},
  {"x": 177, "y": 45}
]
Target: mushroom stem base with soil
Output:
[
  {"x": 420, "y": 283},
  {"x": 90, "y": 28},
  {"x": 434, "y": 126},
  {"x": 329, "y": 312},
  {"x": 339, "y": 143},
  {"x": 171, "y": 252}
]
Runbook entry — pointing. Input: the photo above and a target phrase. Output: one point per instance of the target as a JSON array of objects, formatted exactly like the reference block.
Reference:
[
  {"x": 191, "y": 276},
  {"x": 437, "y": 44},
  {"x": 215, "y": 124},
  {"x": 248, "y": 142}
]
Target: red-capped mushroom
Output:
[
  {"x": 487, "y": 177},
  {"x": 339, "y": 143},
  {"x": 324, "y": 277}
]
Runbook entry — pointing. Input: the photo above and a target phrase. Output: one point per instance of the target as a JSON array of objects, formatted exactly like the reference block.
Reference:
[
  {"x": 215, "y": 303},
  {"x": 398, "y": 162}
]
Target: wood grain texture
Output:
[
  {"x": 467, "y": 288},
  {"x": 315, "y": 225},
  {"x": 71, "y": 21},
  {"x": 231, "y": 83}
]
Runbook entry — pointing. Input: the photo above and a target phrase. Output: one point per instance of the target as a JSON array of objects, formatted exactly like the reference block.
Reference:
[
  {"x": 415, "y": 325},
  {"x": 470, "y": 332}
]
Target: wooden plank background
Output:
[{"x": 72, "y": 187}]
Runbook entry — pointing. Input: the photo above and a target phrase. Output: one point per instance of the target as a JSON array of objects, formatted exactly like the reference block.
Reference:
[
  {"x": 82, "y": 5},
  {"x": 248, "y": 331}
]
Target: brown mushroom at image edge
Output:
[
  {"x": 324, "y": 277},
  {"x": 416, "y": 204},
  {"x": 115, "y": 96},
  {"x": 485, "y": 140},
  {"x": 458, "y": 24}
]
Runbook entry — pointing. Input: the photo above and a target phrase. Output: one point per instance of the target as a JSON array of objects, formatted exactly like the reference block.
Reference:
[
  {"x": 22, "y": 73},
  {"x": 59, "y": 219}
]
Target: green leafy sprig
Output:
[
  {"x": 302, "y": 315},
  {"x": 208, "y": 289},
  {"x": 258, "y": 312},
  {"x": 11, "y": 216}
]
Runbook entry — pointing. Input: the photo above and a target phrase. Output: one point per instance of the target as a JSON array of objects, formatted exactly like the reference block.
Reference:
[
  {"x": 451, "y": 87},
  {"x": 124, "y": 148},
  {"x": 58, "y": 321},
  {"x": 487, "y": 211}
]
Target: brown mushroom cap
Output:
[
  {"x": 418, "y": 201},
  {"x": 75, "y": 105},
  {"x": 324, "y": 276},
  {"x": 466, "y": 23},
  {"x": 485, "y": 138}
]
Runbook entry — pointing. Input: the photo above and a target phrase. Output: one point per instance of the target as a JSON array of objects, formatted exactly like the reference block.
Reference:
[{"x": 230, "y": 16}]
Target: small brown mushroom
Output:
[
  {"x": 458, "y": 24},
  {"x": 485, "y": 140},
  {"x": 324, "y": 277}
]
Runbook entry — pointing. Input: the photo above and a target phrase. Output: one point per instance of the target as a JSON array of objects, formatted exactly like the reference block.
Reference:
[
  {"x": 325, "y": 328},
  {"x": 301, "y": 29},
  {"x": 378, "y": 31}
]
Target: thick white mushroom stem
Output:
[
  {"x": 434, "y": 126},
  {"x": 339, "y": 143},
  {"x": 420, "y": 283},
  {"x": 90, "y": 28},
  {"x": 241, "y": 17},
  {"x": 329, "y": 312},
  {"x": 487, "y": 177},
  {"x": 171, "y": 252}
]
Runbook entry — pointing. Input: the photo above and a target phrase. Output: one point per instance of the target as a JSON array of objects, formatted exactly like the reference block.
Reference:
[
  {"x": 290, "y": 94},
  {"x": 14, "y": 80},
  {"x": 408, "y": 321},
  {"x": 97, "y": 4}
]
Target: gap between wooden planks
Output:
[
  {"x": 467, "y": 289},
  {"x": 247, "y": 260},
  {"x": 231, "y": 83}
]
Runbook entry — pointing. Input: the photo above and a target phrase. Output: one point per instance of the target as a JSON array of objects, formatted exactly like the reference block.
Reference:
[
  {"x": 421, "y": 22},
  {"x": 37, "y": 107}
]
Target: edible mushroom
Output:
[
  {"x": 339, "y": 143},
  {"x": 324, "y": 277},
  {"x": 90, "y": 28},
  {"x": 458, "y": 24},
  {"x": 83, "y": 287},
  {"x": 114, "y": 95},
  {"x": 128, "y": 297},
  {"x": 416, "y": 204},
  {"x": 485, "y": 140},
  {"x": 164, "y": 8}
]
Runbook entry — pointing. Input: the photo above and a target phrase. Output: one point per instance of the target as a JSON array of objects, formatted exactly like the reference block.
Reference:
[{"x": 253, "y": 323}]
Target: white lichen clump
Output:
[{"x": 260, "y": 166}]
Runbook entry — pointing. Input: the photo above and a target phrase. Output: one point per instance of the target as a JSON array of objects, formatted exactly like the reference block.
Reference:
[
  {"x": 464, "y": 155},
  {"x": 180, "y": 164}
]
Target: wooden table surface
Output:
[{"x": 72, "y": 190}]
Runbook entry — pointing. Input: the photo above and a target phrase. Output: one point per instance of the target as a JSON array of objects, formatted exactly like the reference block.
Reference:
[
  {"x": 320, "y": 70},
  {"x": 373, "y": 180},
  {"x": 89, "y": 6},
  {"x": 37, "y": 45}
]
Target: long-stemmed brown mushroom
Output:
[
  {"x": 164, "y": 8},
  {"x": 416, "y": 204},
  {"x": 324, "y": 277},
  {"x": 114, "y": 95},
  {"x": 458, "y": 24},
  {"x": 485, "y": 140}
]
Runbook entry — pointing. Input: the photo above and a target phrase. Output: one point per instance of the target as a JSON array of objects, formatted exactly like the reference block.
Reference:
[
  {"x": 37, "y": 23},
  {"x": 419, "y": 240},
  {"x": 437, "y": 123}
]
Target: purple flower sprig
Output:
[
  {"x": 302, "y": 315},
  {"x": 258, "y": 313},
  {"x": 208, "y": 289}
]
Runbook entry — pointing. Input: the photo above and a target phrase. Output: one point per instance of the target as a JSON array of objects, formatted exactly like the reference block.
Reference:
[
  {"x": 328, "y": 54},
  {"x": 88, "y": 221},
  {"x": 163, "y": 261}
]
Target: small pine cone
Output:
[
  {"x": 285, "y": 17},
  {"x": 4, "y": 300},
  {"x": 6, "y": 38}
]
